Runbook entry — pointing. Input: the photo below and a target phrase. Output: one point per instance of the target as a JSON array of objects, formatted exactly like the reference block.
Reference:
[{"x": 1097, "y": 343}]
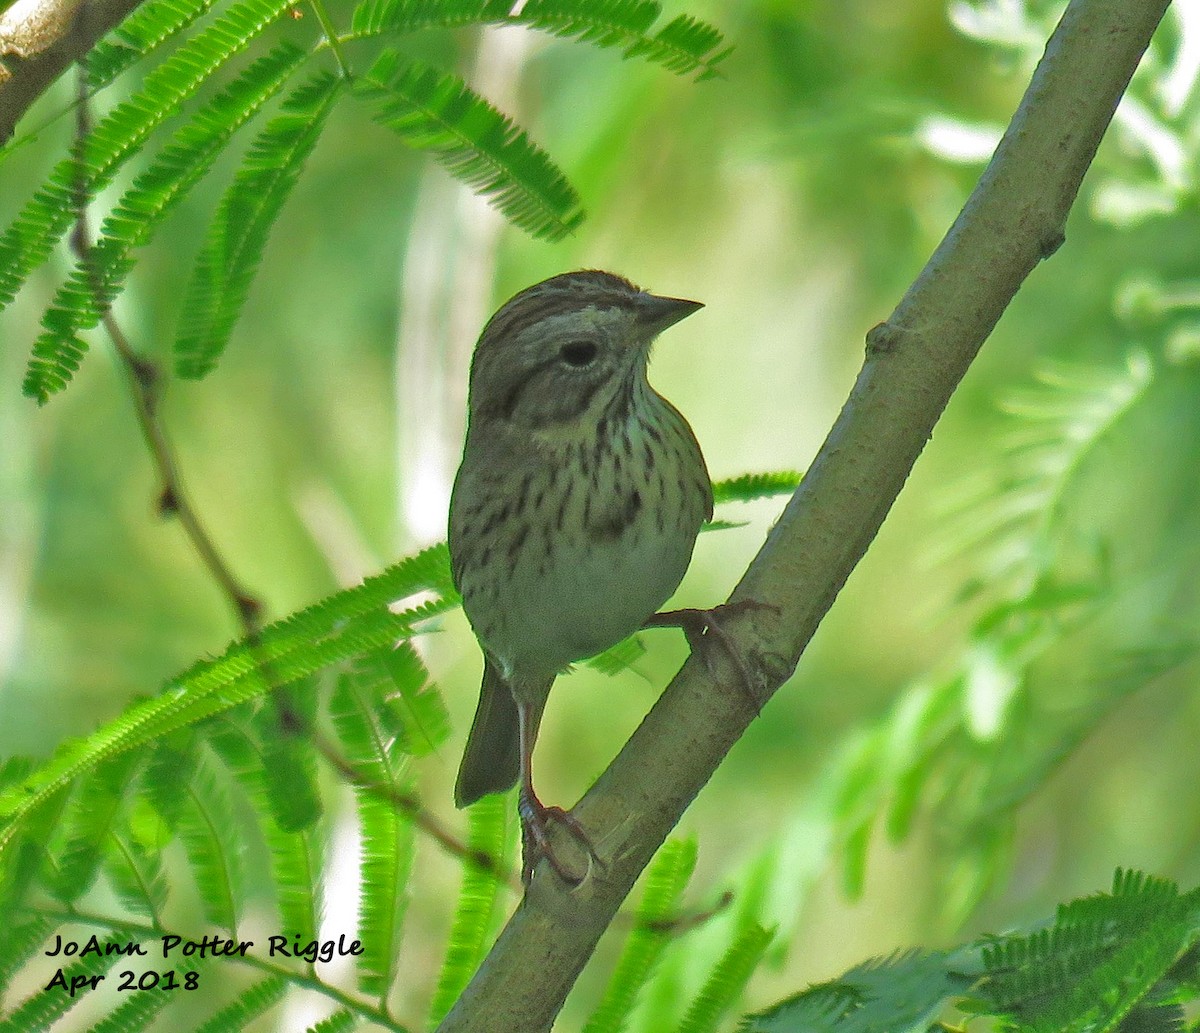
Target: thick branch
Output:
[
  {"x": 1013, "y": 219},
  {"x": 39, "y": 39}
]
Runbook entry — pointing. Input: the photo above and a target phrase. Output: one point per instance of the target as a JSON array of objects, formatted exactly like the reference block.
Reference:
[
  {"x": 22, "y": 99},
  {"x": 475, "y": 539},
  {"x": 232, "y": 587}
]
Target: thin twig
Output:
[{"x": 145, "y": 382}]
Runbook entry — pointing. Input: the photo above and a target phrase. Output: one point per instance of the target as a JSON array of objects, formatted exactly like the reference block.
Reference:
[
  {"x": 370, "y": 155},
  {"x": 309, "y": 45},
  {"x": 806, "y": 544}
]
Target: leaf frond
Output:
[
  {"x": 666, "y": 879},
  {"x": 146, "y": 29},
  {"x": 727, "y": 980},
  {"x": 752, "y": 486},
  {"x": 214, "y": 852},
  {"x": 90, "y": 817},
  {"x": 339, "y": 628},
  {"x": 437, "y": 112},
  {"x": 99, "y": 277},
  {"x": 120, "y": 134},
  {"x": 478, "y": 901},
  {"x": 237, "y": 236},
  {"x": 375, "y": 17},
  {"x": 684, "y": 45},
  {"x": 248, "y": 1005}
]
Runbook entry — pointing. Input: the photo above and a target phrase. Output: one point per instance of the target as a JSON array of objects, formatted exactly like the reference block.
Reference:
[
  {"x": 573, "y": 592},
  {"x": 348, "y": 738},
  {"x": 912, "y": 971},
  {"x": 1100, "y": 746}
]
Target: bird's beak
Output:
[{"x": 656, "y": 313}]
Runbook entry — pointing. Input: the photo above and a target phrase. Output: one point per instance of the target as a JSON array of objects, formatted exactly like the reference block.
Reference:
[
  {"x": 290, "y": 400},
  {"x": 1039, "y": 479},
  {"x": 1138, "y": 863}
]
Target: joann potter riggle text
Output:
[{"x": 207, "y": 947}]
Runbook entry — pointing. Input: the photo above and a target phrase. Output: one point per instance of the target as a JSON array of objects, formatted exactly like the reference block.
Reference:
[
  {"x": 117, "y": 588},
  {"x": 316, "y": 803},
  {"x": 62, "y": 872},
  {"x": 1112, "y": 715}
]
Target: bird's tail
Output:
[{"x": 492, "y": 760}]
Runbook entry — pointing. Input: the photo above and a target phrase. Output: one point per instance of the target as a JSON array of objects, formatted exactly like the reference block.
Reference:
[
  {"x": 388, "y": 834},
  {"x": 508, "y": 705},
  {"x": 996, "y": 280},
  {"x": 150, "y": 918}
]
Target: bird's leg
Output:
[
  {"x": 701, "y": 627},
  {"x": 536, "y": 816}
]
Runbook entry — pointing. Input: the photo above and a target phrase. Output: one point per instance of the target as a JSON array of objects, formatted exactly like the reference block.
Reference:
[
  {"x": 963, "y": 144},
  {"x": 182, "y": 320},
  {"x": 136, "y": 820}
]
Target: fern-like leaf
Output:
[
  {"x": 475, "y": 913},
  {"x": 21, "y": 943},
  {"x": 296, "y": 849},
  {"x": 46, "y": 1006},
  {"x": 1058, "y": 423},
  {"x": 339, "y": 1022},
  {"x": 375, "y": 17},
  {"x": 238, "y": 234},
  {"x": 727, "y": 980},
  {"x": 752, "y": 486},
  {"x": 437, "y": 112},
  {"x": 213, "y": 848},
  {"x": 666, "y": 879},
  {"x": 135, "y": 870},
  {"x": 1098, "y": 963},
  {"x": 342, "y": 627},
  {"x": 146, "y": 29},
  {"x": 900, "y": 994},
  {"x": 682, "y": 46},
  {"x": 45, "y": 218},
  {"x": 248, "y": 1005},
  {"x": 385, "y": 832},
  {"x": 135, "y": 1014},
  {"x": 90, "y": 818},
  {"x": 96, "y": 280},
  {"x": 620, "y": 657}
]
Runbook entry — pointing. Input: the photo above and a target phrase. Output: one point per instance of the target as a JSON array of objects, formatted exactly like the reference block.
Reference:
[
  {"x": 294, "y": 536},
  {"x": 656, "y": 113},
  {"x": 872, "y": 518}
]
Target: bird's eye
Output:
[{"x": 578, "y": 353}]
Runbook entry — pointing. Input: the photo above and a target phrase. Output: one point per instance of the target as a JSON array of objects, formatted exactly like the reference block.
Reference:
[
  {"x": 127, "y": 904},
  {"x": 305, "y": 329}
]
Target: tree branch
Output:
[
  {"x": 39, "y": 39},
  {"x": 1013, "y": 219}
]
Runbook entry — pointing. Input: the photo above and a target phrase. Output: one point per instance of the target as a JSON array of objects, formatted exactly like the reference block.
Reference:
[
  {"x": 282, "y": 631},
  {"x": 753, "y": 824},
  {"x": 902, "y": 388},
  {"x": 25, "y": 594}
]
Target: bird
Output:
[{"x": 573, "y": 516}]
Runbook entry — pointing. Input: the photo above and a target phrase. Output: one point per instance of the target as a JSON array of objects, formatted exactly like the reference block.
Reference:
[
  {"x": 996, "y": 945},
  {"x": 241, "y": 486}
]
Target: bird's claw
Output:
[
  {"x": 535, "y": 840},
  {"x": 700, "y": 627}
]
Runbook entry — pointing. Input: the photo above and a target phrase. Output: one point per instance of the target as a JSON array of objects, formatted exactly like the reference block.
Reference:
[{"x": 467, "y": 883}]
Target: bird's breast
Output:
[{"x": 572, "y": 554}]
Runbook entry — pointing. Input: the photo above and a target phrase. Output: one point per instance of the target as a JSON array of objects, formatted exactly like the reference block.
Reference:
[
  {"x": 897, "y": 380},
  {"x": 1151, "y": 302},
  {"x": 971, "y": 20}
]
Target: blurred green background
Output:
[{"x": 1008, "y": 678}]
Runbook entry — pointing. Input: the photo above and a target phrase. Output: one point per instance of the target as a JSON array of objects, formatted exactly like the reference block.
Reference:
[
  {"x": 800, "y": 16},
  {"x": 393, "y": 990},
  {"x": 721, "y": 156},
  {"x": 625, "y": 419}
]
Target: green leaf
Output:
[
  {"x": 212, "y": 840},
  {"x": 95, "y": 282},
  {"x": 147, "y": 28},
  {"x": 135, "y": 1014},
  {"x": 135, "y": 870},
  {"x": 21, "y": 943},
  {"x": 666, "y": 878},
  {"x": 620, "y": 657},
  {"x": 727, "y": 980},
  {"x": 683, "y": 45},
  {"x": 26, "y": 244},
  {"x": 437, "y": 112},
  {"x": 44, "y": 1007},
  {"x": 385, "y": 831},
  {"x": 297, "y": 850},
  {"x": 346, "y": 625},
  {"x": 339, "y": 1022},
  {"x": 233, "y": 248},
  {"x": 901, "y": 994},
  {"x": 388, "y": 850},
  {"x": 752, "y": 486},
  {"x": 410, "y": 709},
  {"x": 475, "y": 913},
  {"x": 1101, "y": 959},
  {"x": 92, "y": 815},
  {"x": 248, "y": 1005},
  {"x": 374, "y": 17}
]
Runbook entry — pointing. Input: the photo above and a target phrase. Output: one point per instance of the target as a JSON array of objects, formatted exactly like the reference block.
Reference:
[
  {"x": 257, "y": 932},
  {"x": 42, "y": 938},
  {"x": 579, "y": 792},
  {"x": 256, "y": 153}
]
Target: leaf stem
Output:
[{"x": 331, "y": 37}]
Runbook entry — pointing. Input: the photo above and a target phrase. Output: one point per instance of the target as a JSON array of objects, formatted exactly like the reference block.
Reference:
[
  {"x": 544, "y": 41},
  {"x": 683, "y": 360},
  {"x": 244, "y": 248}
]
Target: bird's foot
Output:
[
  {"x": 702, "y": 627},
  {"x": 535, "y": 839}
]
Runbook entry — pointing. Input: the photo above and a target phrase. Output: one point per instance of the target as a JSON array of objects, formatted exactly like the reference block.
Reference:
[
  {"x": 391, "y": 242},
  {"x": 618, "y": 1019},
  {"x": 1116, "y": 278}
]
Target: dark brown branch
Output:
[{"x": 1014, "y": 218}]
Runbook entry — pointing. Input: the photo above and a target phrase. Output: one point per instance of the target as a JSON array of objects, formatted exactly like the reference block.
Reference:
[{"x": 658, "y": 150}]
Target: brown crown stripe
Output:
[{"x": 566, "y": 292}]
